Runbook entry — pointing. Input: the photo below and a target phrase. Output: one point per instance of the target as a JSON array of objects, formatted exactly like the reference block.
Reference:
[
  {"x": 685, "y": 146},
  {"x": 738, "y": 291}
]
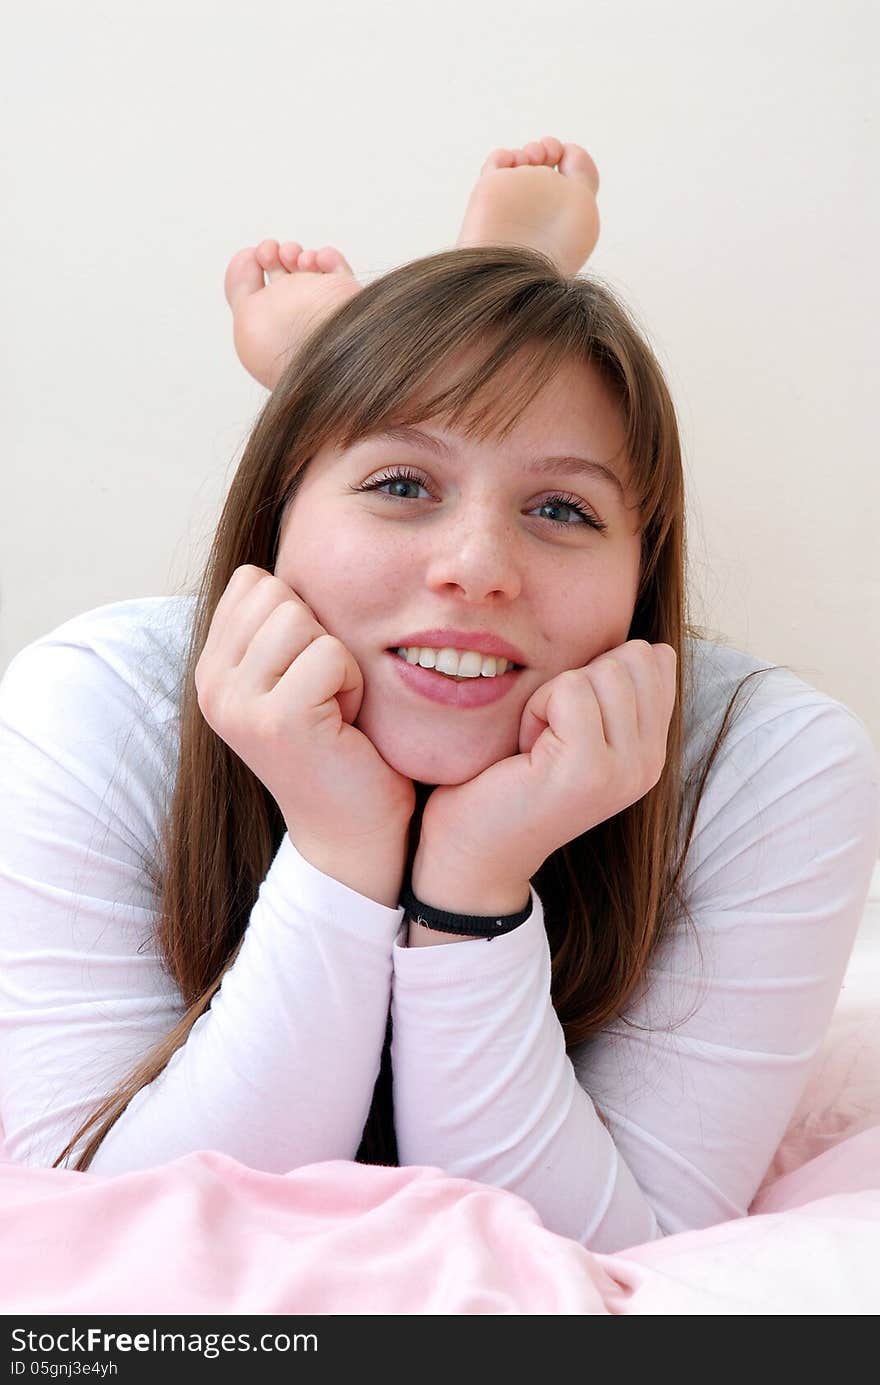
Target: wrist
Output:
[
  {"x": 419, "y": 936},
  {"x": 448, "y": 883},
  {"x": 375, "y": 871}
]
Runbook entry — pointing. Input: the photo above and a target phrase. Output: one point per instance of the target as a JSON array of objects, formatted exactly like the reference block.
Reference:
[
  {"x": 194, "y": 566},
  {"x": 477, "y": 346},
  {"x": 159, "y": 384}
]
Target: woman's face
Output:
[{"x": 472, "y": 544}]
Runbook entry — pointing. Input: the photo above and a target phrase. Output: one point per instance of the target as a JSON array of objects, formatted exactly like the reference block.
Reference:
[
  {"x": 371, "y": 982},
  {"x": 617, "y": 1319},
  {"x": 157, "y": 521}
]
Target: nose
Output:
[{"x": 477, "y": 552}]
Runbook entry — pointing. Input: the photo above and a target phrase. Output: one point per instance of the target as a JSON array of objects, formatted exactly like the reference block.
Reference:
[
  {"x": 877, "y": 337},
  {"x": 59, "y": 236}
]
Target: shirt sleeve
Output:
[
  {"x": 279, "y": 1071},
  {"x": 700, "y": 1077}
]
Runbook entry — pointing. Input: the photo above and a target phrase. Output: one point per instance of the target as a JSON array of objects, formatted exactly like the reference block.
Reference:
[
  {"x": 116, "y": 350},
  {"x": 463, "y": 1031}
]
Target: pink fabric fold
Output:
[{"x": 207, "y": 1235}]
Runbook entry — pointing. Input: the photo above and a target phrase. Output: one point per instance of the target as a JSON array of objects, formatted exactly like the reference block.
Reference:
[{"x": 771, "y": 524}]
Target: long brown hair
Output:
[{"x": 607, "y": 895}]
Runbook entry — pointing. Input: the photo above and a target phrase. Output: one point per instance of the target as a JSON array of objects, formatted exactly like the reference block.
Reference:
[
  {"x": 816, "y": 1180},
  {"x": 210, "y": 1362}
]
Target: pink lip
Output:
[
  {"x": 482, "y": 640},
  {"x": 476, "y": 692}
]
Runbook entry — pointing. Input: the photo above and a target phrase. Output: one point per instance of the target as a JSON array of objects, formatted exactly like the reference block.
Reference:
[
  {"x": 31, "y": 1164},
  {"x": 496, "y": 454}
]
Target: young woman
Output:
[{"x": 299, "y": 867}]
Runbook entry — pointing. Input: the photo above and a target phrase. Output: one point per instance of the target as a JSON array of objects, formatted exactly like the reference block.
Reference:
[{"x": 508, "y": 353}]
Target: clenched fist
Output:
[{"x": 283, "y": 694}]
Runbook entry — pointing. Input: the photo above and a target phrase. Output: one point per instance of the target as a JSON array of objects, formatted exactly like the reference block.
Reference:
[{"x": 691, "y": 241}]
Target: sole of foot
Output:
[
  {"x": 278, "y": 293},
  {"x": 542, "y": 196}
]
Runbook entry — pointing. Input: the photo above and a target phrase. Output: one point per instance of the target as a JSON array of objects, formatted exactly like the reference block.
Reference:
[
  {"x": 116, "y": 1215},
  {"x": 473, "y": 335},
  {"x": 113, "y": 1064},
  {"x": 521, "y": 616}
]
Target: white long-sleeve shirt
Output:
[{"x": 698, "y": 1085}]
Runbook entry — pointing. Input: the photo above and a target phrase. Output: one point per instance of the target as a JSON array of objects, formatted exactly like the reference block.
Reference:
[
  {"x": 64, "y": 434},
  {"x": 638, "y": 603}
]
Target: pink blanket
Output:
[{"x": 205, "y": 1234}]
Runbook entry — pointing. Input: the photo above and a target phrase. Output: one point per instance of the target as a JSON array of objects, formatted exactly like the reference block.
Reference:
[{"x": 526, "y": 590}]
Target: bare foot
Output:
[
  {"x": 270, "y": 320},
  {"x": 521, "y": 199}
]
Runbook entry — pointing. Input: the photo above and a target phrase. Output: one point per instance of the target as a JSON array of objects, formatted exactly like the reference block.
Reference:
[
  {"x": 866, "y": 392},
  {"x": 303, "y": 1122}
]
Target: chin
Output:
[
  {"x": 444, "y": 759},
  {"x": 431, "y": 774},
  {"x": 436, "y": 765}
]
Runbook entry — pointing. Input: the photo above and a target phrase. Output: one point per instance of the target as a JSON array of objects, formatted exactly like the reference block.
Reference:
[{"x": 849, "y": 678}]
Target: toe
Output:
[
  {"x": 554, "y": 149},
  {"x": 308, "y": 260},
  {"x": 576, "y": 163},
  {"x": 535, "y": 152},
  {"x": 289, "y": 253},
  {"x": 499, "y": 158},
  {"x": 267, "y": 254},
  {"x": 330, "y": 261},
  {"x": 244, "y": 276},
  {"x": 520, "y": 158}
]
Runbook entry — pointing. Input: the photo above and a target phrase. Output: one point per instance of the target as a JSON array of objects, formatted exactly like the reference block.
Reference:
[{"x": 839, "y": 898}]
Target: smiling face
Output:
[{"x": 472, "y": 543}]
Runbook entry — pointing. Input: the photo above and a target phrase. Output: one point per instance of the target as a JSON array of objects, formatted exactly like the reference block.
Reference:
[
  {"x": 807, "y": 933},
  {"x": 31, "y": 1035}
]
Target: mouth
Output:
[{"x": 462, "y": 693}]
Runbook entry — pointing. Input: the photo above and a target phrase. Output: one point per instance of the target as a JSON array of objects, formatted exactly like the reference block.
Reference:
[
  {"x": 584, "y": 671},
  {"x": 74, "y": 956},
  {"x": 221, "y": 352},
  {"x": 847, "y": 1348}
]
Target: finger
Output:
[
  {"x": 652, "y": 667},
  {"x": 279, "y": 639},
  {"x": 666, "y": 662},
  {"x": 568, "y": 711},
  {"x": 243, "y": 580},
  {"x": 252, "y": 612},
  {"x": 638, "y": 659},
  {"x": 326, "y": 672},
  {"x": 615, "y": 692}
]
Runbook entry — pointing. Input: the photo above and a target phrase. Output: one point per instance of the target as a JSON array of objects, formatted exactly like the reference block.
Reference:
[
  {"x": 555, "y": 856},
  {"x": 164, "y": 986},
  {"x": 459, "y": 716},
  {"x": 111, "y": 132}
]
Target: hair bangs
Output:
[{"x": 479, "y": 375}]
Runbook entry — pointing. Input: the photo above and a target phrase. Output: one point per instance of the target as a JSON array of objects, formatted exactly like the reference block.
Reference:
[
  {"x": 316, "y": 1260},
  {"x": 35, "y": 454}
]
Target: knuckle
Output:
[
  {"x": 292, "y": 620},
  {"x": 611, "y": 666},
  {"x": 285, "y": 610},
  {"x": 202, "y": 680},
  {"x": 331, "y": 648},
  {"x": 572, "y": 678},
  {"x": 654, "y": 768},
  {"x": 247, "y": 573},
  {"x": 291, "y": 600},
  {"x": 210, "y": 703}
]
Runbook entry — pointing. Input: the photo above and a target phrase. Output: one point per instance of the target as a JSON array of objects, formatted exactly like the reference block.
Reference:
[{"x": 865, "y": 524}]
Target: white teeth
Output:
[{"x": 467, "y": 664}]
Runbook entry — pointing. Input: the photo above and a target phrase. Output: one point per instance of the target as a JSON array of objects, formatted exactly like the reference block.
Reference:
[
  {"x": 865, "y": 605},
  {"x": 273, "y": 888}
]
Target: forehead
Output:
[
  {"x": 576, "y": 406},
  {"x": 574, "y": 410}
]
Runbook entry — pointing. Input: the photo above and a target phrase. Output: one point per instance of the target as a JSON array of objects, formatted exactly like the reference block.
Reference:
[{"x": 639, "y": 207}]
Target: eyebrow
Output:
[{"x": 565, "y": 465}]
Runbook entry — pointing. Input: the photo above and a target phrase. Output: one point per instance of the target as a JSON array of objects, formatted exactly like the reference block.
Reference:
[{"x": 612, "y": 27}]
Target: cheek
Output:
[
  {"x": 595, "y": 617},
  {"x": 335, "y": 550},
  {"x": 348, "y": 580}
]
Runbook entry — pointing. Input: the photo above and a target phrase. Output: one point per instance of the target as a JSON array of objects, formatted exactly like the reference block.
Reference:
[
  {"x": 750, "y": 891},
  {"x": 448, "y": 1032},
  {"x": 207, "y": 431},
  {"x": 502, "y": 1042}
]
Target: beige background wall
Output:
[{"x": 143, "y": 145}]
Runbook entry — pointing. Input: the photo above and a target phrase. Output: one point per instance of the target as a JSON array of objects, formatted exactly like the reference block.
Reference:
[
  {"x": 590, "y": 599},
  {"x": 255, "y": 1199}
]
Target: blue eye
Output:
[
  {"x": 401, "y": 474},
  {"x": 569, "y": 503},
  {"x": 407, "y": 477}
]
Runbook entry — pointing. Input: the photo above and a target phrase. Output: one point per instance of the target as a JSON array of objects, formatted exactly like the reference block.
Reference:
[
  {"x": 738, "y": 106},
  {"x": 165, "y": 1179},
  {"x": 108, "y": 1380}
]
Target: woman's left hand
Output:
[{"x": 592, "y": 741}]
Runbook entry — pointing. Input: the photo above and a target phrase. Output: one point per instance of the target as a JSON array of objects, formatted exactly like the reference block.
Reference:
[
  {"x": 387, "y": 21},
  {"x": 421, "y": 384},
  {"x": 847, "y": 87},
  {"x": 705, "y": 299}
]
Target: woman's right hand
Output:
[{"x": 282, "y": 693}]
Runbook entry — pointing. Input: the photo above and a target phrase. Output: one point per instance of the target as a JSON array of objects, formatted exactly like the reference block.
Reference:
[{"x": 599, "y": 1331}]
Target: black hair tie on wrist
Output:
[{"x": 472, "y": 925}]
